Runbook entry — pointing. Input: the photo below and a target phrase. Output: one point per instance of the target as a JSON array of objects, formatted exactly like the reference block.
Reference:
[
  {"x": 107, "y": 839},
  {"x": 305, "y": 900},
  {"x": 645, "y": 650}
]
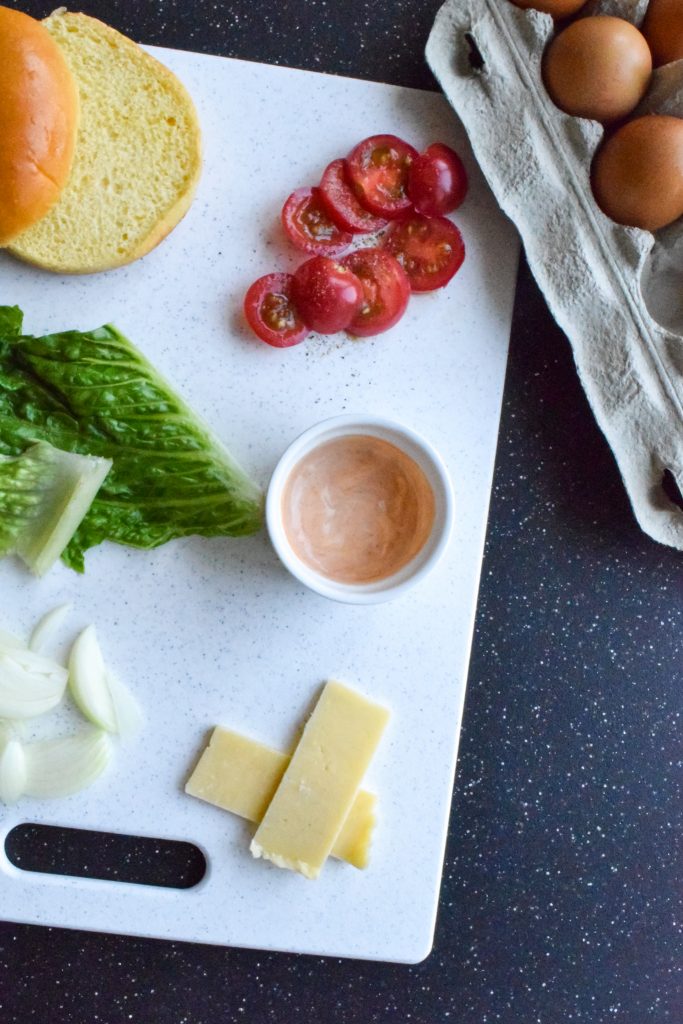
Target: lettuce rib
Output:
[{"x": 44, "y": 495}]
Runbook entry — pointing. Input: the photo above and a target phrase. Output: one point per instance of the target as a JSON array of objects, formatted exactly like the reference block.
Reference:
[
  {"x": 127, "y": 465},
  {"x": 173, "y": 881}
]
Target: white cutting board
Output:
[{"x": 215, "y": 631}]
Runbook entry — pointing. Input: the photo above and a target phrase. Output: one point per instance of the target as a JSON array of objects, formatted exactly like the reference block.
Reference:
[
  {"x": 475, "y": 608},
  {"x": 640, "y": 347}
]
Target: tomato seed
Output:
[{"x": 277, "y": 312}]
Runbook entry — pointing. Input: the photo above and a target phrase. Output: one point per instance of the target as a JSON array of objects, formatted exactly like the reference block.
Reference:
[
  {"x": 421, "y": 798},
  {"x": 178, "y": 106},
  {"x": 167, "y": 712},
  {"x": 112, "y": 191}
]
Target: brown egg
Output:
[
  {"x": 558, "y": 8},
  {"x": 637, "y": 174},
  {"x": 598, "y": 68},
  {"x": 663, "y": 29}
]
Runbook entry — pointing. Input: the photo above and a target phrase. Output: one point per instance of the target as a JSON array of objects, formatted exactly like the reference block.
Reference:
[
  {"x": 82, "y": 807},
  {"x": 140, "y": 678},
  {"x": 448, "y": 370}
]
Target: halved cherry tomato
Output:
[
  {"x": 386, "y": 290},
  {"x": 378, "y": 171},
  {"x": 341, "y": 204},
  {"x": 271, "y": 314},
  {"x": 437, "y": 182},
  {"x": 327, "y": 294},
  {"x": 430, "y": 250},
  {"x": 308, "y": 225}
]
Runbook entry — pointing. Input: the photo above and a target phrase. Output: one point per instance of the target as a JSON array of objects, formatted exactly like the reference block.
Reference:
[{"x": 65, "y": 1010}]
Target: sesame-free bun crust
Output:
[
  {"x": 137, "y": 159},
  {"x": 38, "y": 122}
]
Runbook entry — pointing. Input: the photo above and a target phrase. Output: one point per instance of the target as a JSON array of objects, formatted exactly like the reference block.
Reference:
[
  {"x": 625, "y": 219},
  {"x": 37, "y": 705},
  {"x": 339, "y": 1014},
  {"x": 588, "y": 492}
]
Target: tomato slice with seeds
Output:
[
  {"x": 341, "y": 204},
  {"x": 378, "y": 170},
  {"x": 386, "y": 290},
  {"x": 309, "y": 227},
  {"x": 271, "y": 313},
  {"x": 430, "y": 250}
]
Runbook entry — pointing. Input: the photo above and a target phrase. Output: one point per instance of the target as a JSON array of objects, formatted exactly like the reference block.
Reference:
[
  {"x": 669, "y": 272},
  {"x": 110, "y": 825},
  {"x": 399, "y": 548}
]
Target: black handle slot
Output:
[{"x": 110, "y": 856}]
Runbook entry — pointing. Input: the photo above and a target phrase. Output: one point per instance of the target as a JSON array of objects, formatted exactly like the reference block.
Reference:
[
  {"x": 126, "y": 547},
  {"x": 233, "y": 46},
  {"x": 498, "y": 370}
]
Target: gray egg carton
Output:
[{"x": 616, "y": 292}]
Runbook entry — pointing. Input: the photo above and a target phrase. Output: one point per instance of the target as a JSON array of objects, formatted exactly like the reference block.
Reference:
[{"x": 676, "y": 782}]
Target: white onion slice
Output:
[
  {"x": 13, "y": 772},
  {"x": 67, "y": 765},
  {"x": 102, "y": 698},
  {"x": 11, "y": 730},
  {"x": 30, "y": 684},
  {"x": 127, "y": 711},
  {"x": 45, "y": 628},
  {"x": 88, "y": 680}
]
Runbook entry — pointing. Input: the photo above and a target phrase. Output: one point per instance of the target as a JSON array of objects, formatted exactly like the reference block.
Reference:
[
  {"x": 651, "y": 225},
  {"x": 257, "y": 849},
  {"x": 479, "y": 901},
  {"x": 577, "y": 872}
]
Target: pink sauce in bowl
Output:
[{"x": 359, "y": 508}]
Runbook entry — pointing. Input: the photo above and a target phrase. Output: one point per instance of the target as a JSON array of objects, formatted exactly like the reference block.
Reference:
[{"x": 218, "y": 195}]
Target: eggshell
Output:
[
  {"x": 598, "y": 68},
  {"x": 637, "y": 174},
  {"x": 663, "y": 29}
]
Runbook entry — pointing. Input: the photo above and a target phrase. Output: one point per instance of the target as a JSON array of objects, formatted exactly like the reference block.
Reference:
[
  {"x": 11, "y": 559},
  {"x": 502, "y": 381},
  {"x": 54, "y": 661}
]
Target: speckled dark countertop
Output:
[{"x": 561, "y": 893}]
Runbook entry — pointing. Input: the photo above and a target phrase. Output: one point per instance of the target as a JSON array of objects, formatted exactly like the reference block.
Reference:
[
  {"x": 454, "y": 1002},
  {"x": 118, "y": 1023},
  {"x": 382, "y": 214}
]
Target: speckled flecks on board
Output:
[
  {"x": 216, "y": 631},
  {"x": 512, "y": 943}
]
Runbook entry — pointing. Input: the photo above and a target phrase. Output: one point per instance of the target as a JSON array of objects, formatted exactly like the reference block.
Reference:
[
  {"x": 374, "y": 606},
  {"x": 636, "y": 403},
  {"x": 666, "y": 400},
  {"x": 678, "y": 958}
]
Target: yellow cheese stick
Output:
[
  {"x": 321, "y": 781},
  {"x": 241, "y": 776}
]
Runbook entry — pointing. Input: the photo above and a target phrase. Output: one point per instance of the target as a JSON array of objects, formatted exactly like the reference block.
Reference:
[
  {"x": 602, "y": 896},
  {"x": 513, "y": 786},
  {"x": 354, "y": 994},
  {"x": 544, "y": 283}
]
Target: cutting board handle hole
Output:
[{"x": 80, "y": 853}]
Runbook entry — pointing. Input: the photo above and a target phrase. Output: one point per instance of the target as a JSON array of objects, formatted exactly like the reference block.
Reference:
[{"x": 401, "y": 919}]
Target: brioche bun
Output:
[
  {"x": 137, "y": 159},
  {"x": 38, "y": 122}
]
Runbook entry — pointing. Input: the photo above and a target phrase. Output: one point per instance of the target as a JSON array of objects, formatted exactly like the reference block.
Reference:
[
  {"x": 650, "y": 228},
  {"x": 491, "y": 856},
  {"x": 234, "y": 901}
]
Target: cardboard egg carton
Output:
[{"x": 617, "y": 292}]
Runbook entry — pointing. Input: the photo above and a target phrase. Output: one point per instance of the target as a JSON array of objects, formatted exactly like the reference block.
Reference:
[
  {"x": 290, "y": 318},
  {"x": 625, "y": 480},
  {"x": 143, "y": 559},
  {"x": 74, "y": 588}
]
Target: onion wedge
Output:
[
  {"x": 13, "y": 772},
  {"x": 46, "y": 627},
  {"x": 99, "y": 695},
  {"x": 67, "y": 765},
  {"x": 30, "y": 684}
]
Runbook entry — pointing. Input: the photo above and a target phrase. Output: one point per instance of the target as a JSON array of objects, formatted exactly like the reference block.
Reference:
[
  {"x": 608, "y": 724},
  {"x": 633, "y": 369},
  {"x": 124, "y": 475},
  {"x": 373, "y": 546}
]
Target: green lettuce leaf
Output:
[
  {"x": 44, "y": 495},
  {"x": 94, "y": 393},
  {"x": 11, "y": 321}
]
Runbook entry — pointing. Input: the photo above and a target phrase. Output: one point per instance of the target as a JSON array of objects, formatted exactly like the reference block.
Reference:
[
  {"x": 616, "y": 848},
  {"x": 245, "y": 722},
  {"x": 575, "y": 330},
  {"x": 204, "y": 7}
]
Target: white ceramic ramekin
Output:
[{"x": 413, "y": 445}]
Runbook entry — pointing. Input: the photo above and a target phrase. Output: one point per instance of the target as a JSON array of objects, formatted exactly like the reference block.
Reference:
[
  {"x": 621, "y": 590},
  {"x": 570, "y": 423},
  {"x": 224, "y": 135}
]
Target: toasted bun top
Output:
[{"x": 38, "y": 122}]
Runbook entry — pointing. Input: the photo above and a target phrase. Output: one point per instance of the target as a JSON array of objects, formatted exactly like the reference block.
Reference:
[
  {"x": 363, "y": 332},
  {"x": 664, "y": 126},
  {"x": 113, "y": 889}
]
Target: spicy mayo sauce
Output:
[{"x": 357, "y": 509}]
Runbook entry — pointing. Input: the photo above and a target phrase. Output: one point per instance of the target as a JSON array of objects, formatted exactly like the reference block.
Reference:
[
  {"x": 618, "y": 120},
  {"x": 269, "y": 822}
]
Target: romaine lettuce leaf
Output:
[
  {"x": 11, "y": 321},
  {"x": 44, "y": 495},
  {"x": 95, "y": 394}
]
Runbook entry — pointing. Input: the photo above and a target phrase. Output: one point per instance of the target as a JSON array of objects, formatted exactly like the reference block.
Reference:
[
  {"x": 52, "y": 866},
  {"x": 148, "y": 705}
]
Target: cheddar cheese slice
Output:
[
  {"x": 240, "y": 775},
  {"x": 321, "y": 781}
]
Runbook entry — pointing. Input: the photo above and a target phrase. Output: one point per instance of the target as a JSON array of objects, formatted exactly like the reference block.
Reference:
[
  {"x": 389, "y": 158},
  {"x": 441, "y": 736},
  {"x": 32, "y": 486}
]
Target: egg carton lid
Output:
[{"x": 617, "y": 292}]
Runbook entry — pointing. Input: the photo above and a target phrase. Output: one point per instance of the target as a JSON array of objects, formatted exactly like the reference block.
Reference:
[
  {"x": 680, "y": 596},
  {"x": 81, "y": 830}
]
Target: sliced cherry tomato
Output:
[
  {"x": 271, "y": 314},
  {"x": 437, "y": 182},
  {"x": 430, "y": 250},
  {"x": 309, "y": 227},
  {"x": 386, "y": 290},
  {"x": 341, "y": 204},
  {"x": 378, "y": 171},
  {"x": 327, "y": 294}
]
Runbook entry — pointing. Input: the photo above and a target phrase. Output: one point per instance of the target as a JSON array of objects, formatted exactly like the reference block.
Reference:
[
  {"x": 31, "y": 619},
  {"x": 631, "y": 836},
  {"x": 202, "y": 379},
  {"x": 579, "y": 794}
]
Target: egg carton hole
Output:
[
  {"x": 671, "y": 489},
  {"x": 474, "y": 55}
]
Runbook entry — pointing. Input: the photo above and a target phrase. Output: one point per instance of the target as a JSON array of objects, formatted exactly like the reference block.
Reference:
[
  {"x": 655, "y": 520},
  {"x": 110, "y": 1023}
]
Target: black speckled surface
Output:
[{"x": 561, "y": 894}]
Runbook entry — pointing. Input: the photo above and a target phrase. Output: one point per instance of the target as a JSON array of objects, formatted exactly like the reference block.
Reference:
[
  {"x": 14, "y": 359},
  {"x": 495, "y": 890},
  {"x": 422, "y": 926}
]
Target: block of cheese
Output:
[
  {"x": 240, "y": 775},
  {"x": 321, "y": 781}
]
